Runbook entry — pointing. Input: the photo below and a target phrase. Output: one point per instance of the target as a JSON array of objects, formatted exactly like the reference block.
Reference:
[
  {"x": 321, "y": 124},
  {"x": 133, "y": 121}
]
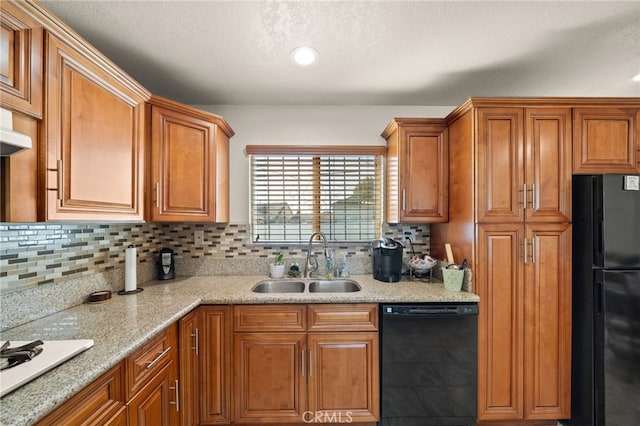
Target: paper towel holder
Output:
[{"x": 130, "y": 262}]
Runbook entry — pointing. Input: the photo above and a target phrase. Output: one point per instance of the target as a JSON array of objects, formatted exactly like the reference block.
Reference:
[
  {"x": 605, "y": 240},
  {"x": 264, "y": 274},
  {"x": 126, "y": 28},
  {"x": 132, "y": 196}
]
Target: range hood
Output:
[{"x": 11, "y": 142}]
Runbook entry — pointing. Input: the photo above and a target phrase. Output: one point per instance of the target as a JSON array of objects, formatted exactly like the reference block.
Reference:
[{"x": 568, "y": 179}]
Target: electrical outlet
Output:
[
  {"x": 410, "y": 233},
  {"x": 198, "y": 237}
]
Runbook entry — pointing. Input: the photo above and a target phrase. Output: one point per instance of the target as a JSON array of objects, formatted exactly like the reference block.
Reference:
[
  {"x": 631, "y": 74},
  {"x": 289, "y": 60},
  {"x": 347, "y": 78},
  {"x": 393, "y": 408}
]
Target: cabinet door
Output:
[
  {"x": 101, "y": 402},
  {"x": 500, "y": 172},
  {"x": 343, "y": 376},
  {"x": 605, "y": 140},
  {"x": 547, "y": 347},
  {"x": 215, "y": 388},
  {"x": 20, "y": 60},
  {"x": 190, "y": 355},
  {"x": 424, "y": 185},
  {"x": 94, "y": 137},
  {"x": 157, "y": 403},
  {"x": 548, "y": 164},
  {"x": 499, "y": 278},
  {"x": 270, "y": 377},
  {"x": 182, "y": 167}
]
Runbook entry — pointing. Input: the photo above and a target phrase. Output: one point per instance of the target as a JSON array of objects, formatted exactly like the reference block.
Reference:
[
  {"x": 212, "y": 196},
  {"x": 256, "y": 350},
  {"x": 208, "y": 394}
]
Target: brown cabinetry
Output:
[
  {"x": 205, "y": 371},
  {"x": 153, "y": 387},
  {"x": 417, "y": 171},
  {"x": 524, "y": 327},
  {"x": 524, "y": 165},
  {"x": 189, "y": 164},
  {"x": 288, "y": 374},
  {"x": 21, "y": 60},
  {"x": 606, "y": 140},
  {"x": 100, "y": 403},
  {"x": 94, "y": 134},
  {"x": 511, "y": 179}
]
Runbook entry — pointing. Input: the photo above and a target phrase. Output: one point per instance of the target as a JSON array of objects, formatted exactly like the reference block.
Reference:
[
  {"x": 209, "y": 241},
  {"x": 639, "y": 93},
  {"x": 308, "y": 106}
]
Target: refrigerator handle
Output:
[
  {"x": 598, "y": 239},
  {"x": 599, "y": 298}
]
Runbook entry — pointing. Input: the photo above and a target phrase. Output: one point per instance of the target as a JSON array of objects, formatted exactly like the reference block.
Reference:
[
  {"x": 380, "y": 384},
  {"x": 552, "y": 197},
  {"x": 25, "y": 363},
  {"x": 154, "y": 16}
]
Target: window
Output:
[{"x": 296, "y": 191}]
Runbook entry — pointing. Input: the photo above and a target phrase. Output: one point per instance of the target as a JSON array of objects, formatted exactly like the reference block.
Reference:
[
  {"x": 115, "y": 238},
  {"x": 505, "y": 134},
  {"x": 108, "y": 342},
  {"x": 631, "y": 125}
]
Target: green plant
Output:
[{"x": 278, "y": 259}]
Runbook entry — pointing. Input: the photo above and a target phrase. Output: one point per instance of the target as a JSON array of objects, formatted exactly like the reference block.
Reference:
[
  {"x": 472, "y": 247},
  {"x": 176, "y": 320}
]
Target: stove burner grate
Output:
[{"x": 10, "y": 357}]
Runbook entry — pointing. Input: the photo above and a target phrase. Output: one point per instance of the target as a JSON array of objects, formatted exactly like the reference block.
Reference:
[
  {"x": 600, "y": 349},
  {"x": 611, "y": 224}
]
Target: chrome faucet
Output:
[{"x": 314, "y": 265}]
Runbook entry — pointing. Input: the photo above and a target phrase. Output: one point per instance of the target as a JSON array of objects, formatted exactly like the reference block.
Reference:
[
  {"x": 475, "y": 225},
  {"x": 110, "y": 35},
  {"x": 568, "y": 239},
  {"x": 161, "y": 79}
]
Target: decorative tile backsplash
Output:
[{"x": 35, "y": 254}]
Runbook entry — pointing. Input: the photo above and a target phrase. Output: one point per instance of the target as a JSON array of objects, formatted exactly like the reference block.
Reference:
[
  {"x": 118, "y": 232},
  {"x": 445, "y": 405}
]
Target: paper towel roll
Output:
[{"x": 130, "y": 278}]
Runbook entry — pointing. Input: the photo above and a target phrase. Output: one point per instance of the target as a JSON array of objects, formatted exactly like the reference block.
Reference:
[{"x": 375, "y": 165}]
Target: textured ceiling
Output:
[{"x": 371, "y": 52}]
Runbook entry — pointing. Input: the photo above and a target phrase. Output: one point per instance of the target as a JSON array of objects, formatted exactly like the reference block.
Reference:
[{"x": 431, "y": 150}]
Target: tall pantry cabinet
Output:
[{"x": 510, "y": 214}]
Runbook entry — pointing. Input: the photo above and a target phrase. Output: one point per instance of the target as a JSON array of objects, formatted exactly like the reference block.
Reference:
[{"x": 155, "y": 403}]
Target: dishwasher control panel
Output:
[{"x": 431, "y": 309}]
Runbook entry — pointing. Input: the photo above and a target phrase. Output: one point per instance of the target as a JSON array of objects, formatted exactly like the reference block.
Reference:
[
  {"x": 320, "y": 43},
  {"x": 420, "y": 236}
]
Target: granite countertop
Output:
[{"x": 122, "y": 325}]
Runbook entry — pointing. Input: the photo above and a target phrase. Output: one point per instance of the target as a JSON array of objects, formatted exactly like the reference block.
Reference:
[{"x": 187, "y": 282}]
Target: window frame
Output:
[{"x": 317, "y": 151}]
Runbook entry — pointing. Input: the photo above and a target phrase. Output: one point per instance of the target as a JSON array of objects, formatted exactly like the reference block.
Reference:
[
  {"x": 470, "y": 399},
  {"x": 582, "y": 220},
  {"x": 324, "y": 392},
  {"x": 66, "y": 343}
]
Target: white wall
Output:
[{"x": 302, "y": 125}]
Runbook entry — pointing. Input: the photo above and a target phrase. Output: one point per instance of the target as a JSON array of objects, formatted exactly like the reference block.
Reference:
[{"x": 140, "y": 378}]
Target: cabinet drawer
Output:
[
  {"x": 97, "y": 404},
  {"x": 144, "y": 364},
  {"x": 348, "y": 317},
  {"x": 269, "y": 318}
]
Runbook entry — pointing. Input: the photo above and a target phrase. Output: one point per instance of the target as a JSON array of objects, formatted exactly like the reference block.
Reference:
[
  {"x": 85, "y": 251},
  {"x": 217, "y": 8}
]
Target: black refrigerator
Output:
[{"x": 606, "y": 301}]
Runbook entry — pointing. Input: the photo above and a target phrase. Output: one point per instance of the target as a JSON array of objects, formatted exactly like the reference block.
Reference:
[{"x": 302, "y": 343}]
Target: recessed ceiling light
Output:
[
  {"x": 304, "y": 56},
  {"x": 636, "y": 77}
]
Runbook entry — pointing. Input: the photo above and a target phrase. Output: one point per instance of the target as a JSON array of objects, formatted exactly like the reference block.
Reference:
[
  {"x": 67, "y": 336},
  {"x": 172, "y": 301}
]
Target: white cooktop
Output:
[{"x": 54, "y": 353}]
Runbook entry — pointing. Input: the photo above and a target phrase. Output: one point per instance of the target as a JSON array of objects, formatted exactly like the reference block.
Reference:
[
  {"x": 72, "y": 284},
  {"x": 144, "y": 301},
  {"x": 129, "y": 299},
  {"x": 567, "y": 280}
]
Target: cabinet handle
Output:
[
  {"x": 524, "y": 250},
  {"x": 177, "y": 401},
  {"x": 310, "y": 363},
  {"x": 533, "y": 194},
  {"x": 197, "y": 342},
  {"x": 157, "y": 195},
  {"x": 524, "y": 196},
  {"x": 160, "y": 355},
  {"x": 60, "y": 180},
  {"x": 302, "y": 366},
  {"x": 404, "y": 201},
  {"x": 533, "y": 250}
]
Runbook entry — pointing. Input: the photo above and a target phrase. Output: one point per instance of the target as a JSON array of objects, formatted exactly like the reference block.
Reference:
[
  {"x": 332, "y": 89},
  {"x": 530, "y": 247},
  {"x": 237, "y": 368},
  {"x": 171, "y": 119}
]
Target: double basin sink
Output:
[{"x": 314, "y": 286}]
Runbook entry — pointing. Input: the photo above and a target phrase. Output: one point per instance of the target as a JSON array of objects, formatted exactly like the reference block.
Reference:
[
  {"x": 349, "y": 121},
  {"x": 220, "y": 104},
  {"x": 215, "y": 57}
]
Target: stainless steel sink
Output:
[
  {"x": 333, "y": 286},
  {"x": 278, "y": 286}
]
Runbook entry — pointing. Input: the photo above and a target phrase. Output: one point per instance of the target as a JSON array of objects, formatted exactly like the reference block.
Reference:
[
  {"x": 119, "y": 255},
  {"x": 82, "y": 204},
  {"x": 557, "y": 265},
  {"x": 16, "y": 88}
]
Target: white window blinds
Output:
[{"x": 294, "y": 195}]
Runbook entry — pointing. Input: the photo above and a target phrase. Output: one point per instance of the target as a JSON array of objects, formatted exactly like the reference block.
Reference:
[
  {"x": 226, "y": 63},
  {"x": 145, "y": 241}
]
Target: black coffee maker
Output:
[
  {"x": 386, "y": 257},
  {"x": 166, "y": 265}
]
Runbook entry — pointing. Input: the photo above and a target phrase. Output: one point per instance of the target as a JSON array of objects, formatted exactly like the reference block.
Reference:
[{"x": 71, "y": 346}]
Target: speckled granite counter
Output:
[{"x": 122, "y": 325}]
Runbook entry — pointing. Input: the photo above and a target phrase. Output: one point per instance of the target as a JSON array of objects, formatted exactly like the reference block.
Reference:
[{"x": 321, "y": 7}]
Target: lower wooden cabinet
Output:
[
  {"x": 524, "y": 329},
  {"x": 294, "y": 376},
  {"x": 100, "y": 403},
  {"x": 157, "y": 403},
  {"x": 205, "y": 371}
]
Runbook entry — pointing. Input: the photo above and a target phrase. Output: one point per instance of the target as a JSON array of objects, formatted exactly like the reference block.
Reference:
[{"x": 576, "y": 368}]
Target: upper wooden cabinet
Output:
[
  {"x": 606, "y": 140},
  {"x": 21, "y": 41},
  {"x": 524, "y": 165},
  {"x": 94, "y": 139},
  {"x": 417, "y": 171},
  {"x": 189, "y": 164}
]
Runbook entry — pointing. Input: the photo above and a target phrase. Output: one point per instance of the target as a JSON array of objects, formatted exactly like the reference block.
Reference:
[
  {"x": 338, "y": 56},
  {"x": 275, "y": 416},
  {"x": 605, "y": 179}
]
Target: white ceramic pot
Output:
[{"x": 277, "y": 271}]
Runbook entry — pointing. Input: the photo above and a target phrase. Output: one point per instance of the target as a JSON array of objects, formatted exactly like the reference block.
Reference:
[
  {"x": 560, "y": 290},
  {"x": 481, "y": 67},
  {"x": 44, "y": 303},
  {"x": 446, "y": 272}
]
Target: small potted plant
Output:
[{"x": 277, "y": 267}]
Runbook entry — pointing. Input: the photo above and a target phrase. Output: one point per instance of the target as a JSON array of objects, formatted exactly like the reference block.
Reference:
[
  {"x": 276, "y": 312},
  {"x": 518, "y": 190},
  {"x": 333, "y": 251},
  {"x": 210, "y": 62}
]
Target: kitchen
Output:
[{"x": 64, "y": 280}]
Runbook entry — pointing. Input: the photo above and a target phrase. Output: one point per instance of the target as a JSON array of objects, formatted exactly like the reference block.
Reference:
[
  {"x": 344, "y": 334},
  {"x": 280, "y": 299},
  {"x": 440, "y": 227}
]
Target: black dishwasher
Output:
[{"x": 428, "y": 362}]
